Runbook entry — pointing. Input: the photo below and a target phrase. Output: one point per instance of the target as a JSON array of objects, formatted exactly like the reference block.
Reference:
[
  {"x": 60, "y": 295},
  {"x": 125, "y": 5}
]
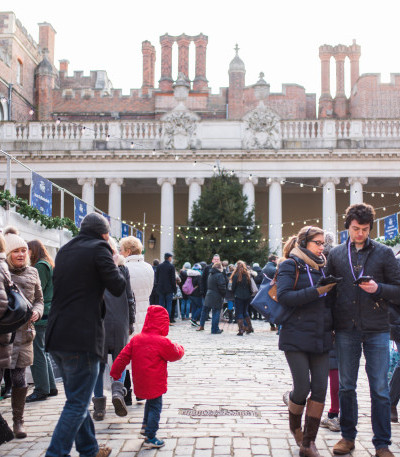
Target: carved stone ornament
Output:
[
  {"x": 180, "y": 129},
  {"x": 262, "y": 129}
]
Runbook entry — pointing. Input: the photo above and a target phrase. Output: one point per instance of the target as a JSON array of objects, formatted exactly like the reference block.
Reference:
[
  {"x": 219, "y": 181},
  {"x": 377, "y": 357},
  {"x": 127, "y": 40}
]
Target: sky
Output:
[{"x": 280, "y": 38}]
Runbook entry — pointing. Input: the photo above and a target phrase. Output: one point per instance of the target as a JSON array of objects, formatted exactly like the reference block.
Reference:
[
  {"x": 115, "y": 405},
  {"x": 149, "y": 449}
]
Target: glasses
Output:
[{"x": 318, "y": 243}]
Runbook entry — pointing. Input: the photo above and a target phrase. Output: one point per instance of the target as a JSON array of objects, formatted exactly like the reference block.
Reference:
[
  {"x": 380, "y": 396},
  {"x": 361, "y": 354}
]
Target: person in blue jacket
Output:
[{"x": 306, "y": 336}]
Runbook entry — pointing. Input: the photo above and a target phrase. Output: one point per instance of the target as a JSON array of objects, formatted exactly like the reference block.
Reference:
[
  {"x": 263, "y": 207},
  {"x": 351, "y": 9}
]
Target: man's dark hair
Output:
[
  {"x": 272, "y": 258},
  {"x": 156, "y": 262},
  {"x": 362, "y": 213}
]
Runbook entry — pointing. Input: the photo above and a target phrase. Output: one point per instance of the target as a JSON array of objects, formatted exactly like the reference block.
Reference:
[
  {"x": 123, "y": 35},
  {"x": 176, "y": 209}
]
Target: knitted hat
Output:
[
  {"x": 13, "y": 240},
  {"x": 96, "y": 223},
  {"x": 187, "y": 265},
  {"x": 197, "y": 266}
]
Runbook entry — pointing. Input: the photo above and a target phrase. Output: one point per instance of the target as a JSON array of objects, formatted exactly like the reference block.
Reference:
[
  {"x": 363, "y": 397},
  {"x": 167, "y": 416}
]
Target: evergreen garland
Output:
[
  {"x": 393, "y": 242},
  {"x": 22, "y": 207},
  {"x": 221, "y": 204}
]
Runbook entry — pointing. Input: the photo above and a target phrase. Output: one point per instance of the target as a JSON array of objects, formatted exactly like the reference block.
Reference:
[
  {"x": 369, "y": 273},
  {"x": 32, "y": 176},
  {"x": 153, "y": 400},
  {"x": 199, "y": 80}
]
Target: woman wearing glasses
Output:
[{"x": 306, "y": 336}]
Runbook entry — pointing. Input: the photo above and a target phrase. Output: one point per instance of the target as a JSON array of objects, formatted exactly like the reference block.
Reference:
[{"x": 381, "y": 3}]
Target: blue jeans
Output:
[
  {"x": 376, "y": 352},
  {"x": 196, "y": 307},
  {"x": 165, "y": 300},
  {"x": 79, "y": 371},
  {"x": 42, "y": 370},
  {"x": 151, "y": 419},
  {"x": 99, "y": 386},
  {"x": 242, "y": 308},
  {"x": 185, "y": 308},
  {"x": 214, "y": 319}
]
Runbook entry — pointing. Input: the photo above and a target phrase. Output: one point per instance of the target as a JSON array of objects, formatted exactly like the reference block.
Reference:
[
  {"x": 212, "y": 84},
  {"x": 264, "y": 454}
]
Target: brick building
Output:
[{"x": 150, "y": 151}]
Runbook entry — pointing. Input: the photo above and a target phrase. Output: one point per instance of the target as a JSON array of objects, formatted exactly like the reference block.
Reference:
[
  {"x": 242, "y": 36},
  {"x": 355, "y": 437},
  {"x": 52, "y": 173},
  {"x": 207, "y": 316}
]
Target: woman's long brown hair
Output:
[
  {"x": 241, "y": 270},
  {"x": 39, "y": 252}
]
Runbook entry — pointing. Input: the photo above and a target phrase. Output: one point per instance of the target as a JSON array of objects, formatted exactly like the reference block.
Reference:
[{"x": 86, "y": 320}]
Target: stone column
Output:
[
  {"x": 13, "y": 187},
  {"x": 88, "y": 191},
  {"x": 166, "y": 80},
  {"x": 200, "y": 81},
  {"x": 329, "y": 204},
  {"x": 356, "y": 189},
  {"x": 340, "y": 103},
  {"x": 194, "y": 191},
  {"x": 325, "y": 100},
  {"x": 275, "y": 215},
  {"x": 167, "y": 215},
  {"x": 114, "y": 204},
  {"x": 249, "y": 191},
  {"x": 354, "y": 56},
  {"x": 183, "y": 54}
]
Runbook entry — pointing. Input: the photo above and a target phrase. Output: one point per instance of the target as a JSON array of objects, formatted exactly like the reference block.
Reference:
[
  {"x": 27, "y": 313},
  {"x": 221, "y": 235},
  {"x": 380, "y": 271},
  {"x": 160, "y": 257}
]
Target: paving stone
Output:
[{"x": 221, "y": 373}]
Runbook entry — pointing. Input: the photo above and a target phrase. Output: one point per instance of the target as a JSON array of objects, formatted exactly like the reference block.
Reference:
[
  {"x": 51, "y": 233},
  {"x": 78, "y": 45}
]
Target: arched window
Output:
[{"x": 20, "y": 68}]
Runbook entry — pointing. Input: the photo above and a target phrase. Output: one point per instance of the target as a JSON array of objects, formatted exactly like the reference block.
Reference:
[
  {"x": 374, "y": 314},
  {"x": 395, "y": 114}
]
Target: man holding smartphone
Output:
[{"x": 360, "y": 305}]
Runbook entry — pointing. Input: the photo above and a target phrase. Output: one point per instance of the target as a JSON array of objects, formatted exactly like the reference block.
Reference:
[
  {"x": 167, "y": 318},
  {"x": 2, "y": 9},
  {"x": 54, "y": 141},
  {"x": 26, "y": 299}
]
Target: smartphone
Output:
[
  {"x": 363, "y": 279},
  {"x": 329, "y": 280}
]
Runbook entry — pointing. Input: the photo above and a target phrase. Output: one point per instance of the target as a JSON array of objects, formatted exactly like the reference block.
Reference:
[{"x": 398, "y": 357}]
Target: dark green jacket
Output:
[{"x": 45, "y": 271}]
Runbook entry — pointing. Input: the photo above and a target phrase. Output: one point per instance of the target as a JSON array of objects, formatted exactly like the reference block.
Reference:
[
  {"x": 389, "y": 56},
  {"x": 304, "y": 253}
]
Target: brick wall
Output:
[{"x": 372, "y": 99}]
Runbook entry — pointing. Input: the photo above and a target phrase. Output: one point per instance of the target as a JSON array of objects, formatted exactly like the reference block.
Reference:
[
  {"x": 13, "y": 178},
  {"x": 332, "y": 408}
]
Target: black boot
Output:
[
  {"x": 230, "y": 316},
  {"x": 128, "y": 385}
]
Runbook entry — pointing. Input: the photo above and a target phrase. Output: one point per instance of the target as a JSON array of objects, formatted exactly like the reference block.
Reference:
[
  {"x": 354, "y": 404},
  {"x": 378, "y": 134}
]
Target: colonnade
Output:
[{"x": 328, "y": 184}]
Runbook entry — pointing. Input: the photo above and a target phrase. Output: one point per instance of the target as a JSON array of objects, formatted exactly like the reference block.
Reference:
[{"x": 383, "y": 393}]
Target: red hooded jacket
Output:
[{"x": 149, "y": 352}]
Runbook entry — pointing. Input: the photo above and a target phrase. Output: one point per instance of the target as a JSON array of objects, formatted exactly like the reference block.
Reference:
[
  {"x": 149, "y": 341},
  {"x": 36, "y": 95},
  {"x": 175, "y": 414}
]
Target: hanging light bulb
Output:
[
  {"x": 345, "y": 191},
  {"x": 382, "y": 195},
  {"x": 397, "y": 194},
  {"x": 195, "y": 163},
  {"x": 132, "y": 144},
  {"x": 108, "y": 138},
  {"x": 58, "y": 121},
  {"x": 31, "y": 112},
  {"x": 154, "y": 152},
  {"x": 373, "y": 194},
  {"x": 301, "y": 185},
  {"x": 314, "y": 189}
]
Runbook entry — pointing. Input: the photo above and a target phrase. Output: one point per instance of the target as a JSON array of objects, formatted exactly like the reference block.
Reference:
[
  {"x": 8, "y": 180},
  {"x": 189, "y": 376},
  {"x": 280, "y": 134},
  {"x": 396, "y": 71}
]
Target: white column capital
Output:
[
  {"x": 28, "y": 181},
  {"x": 280, "y": 181},
  {"x": 161, "y": 181},
  {"x": 188, "y": 181},
  {"x": 14, "y": 182},
  {"x": 252, "y": 180},
  {"x": 334, "y": 181},
  {"x": 118, "y": 181},
  {"x": 91, "y": 181},
  {"x": 355, "y": 180}
]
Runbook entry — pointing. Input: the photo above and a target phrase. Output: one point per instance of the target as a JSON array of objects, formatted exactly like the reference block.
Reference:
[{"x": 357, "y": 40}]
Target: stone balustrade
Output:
[{"x": 204, "y": 135}]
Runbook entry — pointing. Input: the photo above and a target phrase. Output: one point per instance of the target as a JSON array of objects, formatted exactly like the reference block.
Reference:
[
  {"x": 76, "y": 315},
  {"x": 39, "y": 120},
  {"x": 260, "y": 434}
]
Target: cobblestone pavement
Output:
[{"x": 218, "y": 372}]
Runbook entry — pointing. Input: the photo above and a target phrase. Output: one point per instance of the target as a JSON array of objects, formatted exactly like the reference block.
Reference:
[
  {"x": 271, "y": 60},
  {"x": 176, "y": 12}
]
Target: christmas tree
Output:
[{"x": 220, "y": 223}]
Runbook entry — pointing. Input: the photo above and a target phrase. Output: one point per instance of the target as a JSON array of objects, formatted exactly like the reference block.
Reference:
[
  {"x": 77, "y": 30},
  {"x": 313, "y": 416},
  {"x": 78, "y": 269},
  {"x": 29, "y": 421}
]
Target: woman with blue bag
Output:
[{"x": 306, "y": 335}]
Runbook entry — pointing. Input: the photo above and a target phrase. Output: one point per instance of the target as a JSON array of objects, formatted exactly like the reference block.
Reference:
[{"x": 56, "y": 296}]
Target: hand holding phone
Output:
[
  {"x": 328, "y": 280},
  {"x": 362, "y": 279}
]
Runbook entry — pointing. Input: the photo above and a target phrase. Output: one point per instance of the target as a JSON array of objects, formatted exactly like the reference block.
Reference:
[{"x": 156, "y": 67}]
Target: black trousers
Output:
[{"x": 310, "y": 374}]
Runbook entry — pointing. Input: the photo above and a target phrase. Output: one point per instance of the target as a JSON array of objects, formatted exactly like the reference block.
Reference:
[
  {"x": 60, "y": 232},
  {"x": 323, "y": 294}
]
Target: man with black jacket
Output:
[
  {"x": 166, "y": 283},
  {"x": 75, "y": 332},
  {"x": 360, "y": 303}
]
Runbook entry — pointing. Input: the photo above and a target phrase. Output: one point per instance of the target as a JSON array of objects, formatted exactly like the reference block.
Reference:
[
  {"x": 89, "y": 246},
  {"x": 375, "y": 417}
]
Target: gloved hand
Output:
[{"x": 325, "y": 289}]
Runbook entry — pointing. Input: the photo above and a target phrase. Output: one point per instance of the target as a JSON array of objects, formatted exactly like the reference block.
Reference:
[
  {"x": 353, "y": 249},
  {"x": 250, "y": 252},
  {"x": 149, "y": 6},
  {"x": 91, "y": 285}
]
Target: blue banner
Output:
[
  {"x": 139, "y": 235},
  {"x": 124, "y": 230},
  {"x": 107, "y": 217},
  {"x": 80, "y": 211},
  {"x": 343, "y": 235},
  {"x": 391, "y": 227},
  {"x": 42, "y": 194}
]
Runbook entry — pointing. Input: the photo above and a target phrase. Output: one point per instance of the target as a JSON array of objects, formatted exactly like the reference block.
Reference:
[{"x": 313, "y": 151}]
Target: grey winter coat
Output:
[
  {"x": 28, "y": 281},
  {"x": 119, "y": 318},
  {"x": 216, "y": 289}
]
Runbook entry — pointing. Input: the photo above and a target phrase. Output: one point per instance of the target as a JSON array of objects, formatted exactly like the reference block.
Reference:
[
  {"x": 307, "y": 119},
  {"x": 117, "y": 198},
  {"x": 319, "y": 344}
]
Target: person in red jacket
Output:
[{"x": 149, "y": 352}]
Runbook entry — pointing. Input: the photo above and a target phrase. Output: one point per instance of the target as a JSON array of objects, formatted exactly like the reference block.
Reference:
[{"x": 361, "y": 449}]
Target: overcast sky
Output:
[{"x": 280, "y": 37}]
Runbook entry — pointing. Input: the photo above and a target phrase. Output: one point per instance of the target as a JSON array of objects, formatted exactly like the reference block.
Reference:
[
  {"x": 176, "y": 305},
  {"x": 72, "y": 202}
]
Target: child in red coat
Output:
[{"x": 149, "y": 352}]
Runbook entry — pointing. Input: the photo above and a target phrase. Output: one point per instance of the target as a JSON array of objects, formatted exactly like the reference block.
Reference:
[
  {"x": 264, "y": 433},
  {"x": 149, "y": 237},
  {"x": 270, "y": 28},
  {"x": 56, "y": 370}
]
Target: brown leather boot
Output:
[
  {"x": 343, "y": 447},
  {"x": 18, "y": 396},
  {"x": 249, "y": 326},
  {"x": 241, "y": 327},
  {"x": 201, "y": 328},
  {"x": 311, "y": 425},
  {"x": 295, "y": 415}
]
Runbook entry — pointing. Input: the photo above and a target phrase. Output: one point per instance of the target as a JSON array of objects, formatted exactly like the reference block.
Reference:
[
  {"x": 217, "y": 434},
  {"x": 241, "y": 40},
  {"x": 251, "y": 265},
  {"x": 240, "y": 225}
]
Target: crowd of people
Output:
[{"x": 101, "y": 300}]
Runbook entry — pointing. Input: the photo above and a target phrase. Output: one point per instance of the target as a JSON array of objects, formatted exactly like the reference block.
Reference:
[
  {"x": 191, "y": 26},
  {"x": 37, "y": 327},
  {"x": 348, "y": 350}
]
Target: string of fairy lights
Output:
[{"x": 211, "y": 232}]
